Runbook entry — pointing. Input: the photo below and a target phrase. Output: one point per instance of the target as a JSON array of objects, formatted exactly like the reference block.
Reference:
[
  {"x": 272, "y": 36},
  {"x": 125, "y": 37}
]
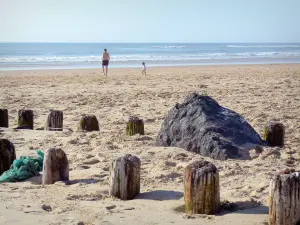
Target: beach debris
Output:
[
  {"x": 201, "y": 188},
  {"x": 25, "y": 119},
  {"x": 3, "y": 118},
  {"x": 284, "y": 201},
  {"x": 201, "y": 125},
  {"x": 88, "y": 123},
  {"x": 135, "y": 126},
  {"x": 54, "y": 121},
  {"x": 7, "y": 155},
  {"x": 23, "y": 168},
  {"x": 274, "y": 133},
  {"x": 55, "y": 167},
  {"x": 124, "y": 181}
]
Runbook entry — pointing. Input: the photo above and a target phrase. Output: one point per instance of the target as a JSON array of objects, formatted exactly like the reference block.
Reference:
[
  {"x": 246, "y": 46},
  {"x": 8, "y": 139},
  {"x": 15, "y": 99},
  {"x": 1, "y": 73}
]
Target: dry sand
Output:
[{"x": 257, "y": 92}]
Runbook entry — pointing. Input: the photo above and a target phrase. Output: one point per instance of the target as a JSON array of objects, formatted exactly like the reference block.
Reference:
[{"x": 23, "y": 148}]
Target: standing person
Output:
[
  {"x": 105, "y": 61},
  {"x": 144, "y": 68}
]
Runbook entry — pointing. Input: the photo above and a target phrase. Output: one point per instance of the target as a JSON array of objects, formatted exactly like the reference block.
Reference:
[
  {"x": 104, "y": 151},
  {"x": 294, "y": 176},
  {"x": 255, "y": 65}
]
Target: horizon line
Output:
[{"x": 179, "y": 42}]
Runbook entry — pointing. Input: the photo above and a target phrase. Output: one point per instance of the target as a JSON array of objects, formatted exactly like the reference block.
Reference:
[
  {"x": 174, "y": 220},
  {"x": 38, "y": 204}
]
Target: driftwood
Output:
[
  {"x": 284, "y": 202},
  {"x": 201, "y": 188},
  {"x": 135, "y": 126},
  {"x": 3, "y": 118},
  {"x": 55, "y": 166},
  {"x": 274, "y": 133},
  {"x": 125, "y": 177},
  {"x": 88, "y": 123},
  {"x": 54, "y": 121},
  {"x": 25, "y": 120},
  {"x": 7, "y": 155}
]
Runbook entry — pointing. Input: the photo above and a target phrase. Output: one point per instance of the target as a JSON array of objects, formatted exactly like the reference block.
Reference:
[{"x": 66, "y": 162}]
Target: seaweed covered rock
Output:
[
  {"x": 25, "y": 119},
  {"x": 274, "y": 133},
  {"x": 135, "y": 126},
  {"x": 201, "y": 125},
  {"x": 88, "y": 123}
]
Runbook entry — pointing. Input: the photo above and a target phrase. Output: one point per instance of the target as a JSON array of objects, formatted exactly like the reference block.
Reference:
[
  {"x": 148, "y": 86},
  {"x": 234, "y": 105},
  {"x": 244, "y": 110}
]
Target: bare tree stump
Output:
[
  {"x": 201, "y": 188},
  {"x": 25, "y": 120},
  {"x": 54, "y": 121},
  {"x": 284, "y": 201},
  {"x": 125, "y": 177},
  {"x": 274, "y": 133},
  {"x": 7, "y": 155},
  {"x": 135, "y": 126},
  {"x": 88, "y": 123},
  {"x": 3, "y": 118},
  {"x": 55, "y": 166}
]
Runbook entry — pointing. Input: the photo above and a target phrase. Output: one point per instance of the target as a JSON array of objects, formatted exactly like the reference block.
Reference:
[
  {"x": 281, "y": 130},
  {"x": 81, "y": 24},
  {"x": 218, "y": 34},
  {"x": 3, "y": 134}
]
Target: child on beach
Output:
[{"x": 144, "y": 68}]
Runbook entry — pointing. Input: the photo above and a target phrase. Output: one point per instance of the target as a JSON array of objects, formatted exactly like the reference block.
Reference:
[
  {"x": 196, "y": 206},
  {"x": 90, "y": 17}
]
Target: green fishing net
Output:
[{"x": 23, "y": 168}]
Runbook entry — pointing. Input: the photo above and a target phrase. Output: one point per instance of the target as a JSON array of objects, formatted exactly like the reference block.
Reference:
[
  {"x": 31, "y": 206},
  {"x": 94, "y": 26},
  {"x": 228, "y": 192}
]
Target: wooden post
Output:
[
  {"x": 274, "y": 133},
  {"x": 135, "y": 126},
  {"x": 3, "y": 118},
  {"x": 124, "y": 178},
  {"x": 54, "y": 121},
  {"x": 201, "y": 188},
  {"x": 25, "y": 120},
  {"x": 284, "y": 201},
  {"x": 55, "y": 166},
  {"x": 88, "y": 123},
  {"x": 7, "y": 155}
]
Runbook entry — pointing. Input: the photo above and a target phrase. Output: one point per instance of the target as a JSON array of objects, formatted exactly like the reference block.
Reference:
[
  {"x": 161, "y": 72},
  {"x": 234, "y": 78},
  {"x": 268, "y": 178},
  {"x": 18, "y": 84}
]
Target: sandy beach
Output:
[{"x": 257, "y": 92}]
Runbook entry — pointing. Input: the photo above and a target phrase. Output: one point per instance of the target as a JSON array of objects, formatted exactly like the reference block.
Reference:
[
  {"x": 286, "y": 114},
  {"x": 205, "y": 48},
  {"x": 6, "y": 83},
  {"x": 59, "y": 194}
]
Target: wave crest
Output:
[
  {"x": 263, "y": 46},
  {"x": 169, "y": 46}
]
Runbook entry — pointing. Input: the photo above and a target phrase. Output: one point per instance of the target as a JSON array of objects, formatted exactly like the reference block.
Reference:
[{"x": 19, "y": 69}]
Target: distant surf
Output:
[
  {"x": 263, "y": 46},
  {"x": 169, "y": 46},
  {"x": 88, "y": 55}
]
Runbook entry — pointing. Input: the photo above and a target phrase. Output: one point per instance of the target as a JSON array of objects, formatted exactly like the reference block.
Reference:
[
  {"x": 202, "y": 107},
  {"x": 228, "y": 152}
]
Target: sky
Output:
[{"x": 149, "y": 21}]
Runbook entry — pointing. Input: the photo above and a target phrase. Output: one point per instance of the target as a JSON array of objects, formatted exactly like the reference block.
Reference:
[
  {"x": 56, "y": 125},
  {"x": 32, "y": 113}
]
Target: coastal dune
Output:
[{"x": 257, "y": 92}]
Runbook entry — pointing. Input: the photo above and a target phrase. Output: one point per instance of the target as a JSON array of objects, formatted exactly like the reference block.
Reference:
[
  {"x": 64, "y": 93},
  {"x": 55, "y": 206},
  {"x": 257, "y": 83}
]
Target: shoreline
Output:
[
  {"x": 155, "y": 68},
  {"x": 137, "y": 64}
]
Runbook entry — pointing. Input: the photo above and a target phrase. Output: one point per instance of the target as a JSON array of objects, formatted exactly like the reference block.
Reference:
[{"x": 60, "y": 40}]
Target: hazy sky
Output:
[{"x": 149, "y": 20}]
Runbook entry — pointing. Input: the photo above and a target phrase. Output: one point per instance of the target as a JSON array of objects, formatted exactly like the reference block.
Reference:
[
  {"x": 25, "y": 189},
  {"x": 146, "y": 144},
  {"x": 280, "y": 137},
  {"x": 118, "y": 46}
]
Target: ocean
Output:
[{"x": 20, "y": 56}]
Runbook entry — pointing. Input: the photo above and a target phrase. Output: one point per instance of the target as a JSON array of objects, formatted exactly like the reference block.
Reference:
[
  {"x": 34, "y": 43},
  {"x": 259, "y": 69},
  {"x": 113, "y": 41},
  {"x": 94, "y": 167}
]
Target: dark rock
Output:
[{"x": 201, "y": 125}]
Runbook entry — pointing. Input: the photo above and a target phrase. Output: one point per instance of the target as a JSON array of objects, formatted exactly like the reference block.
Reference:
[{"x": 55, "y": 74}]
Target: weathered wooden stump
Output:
[
  {"x": 7, "y": 155},
  {"x": 274, "y": 133},
  {"x": 54, "y": 121},
  {"x": 25, "y": 120},
  {"x": 284, "y": 201},
  {"x": 201, "y": 188},
  {"x": 135, "y": 126},
  {"x": 88, "y": 123},
  {"x": 3, "y": 118},
  {"x": 55, "y": 166},
  {"x": 125, "y": 177}
]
